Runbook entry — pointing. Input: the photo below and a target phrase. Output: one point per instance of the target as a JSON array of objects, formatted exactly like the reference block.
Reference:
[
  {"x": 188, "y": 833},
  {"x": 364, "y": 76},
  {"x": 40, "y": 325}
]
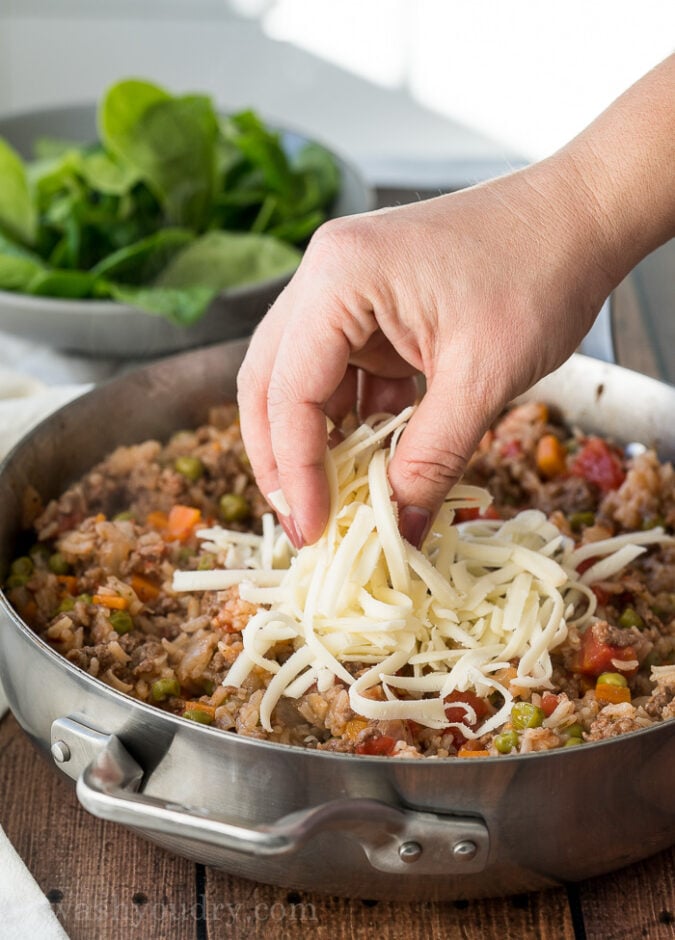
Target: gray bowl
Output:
[{"x": 106, "y": 328}]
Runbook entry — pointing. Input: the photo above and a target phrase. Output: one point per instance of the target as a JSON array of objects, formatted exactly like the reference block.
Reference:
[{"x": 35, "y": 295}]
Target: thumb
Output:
[{"x": 433, "y": 452}]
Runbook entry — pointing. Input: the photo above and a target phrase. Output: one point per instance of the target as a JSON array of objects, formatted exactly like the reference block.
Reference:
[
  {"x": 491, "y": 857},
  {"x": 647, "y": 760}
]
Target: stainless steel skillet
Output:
[{"x": 338, "y": 823}]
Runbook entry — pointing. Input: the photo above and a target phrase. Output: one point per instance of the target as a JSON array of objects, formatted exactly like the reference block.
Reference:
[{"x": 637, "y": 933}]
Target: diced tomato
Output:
[
  {"x": 468, "y": 514},
  {"x": 455, "y": 712},
  {"x": 549, "y": 703},
  {"x": 376, "y": 744},
  {"x": 595, "y": 657},
  {"x": 602, "y": 596},
  {"x": 586, "y": 564},
  {"x": 599, "y": 464}
]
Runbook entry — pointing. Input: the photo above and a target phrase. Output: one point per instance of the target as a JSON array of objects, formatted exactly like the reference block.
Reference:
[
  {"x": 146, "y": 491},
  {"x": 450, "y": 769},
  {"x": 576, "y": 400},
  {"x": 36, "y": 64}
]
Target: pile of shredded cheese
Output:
[{"x": 477, "y": 598}]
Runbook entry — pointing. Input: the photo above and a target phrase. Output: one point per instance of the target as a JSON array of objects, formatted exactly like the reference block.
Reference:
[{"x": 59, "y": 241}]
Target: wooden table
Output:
[{"x": 106, "y": 883}]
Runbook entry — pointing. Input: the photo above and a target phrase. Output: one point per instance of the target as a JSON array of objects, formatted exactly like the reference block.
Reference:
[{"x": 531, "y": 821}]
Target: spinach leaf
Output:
[
  {"x": 174, "y": 204},
  {"x": 170, "y": 142},
  {"x": 105, "y": 174},
  {"x": 141, "y": 262},
  {"x": 183, "y": 306},
  {"x": 63, "y": 284},
  {"x": 320, "y": 176},
  {"x": 17, "y": 210},
  {"x": 18, "y": 266},
  {"x": 222, "y": 260}
]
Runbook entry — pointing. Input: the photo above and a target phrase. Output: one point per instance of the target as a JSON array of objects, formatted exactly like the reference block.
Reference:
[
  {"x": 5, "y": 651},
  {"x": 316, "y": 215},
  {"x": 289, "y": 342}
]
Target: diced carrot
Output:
[
  {"x": 99, "y": 517},
  {"x": 113, "y": 601},
  {"x": 614, "y": 694},
  {"x": 551, "y": 456},
  {"x": 157, "y": 519},
  {"x": 144, "y": 588},
  {"x": 465, "y": 751},
  {"x": 181, "y": 522},
  {"x": 354, "y": 727},
  {"x": 69, "y": 582},
  {"x": 201, "y": 707}
]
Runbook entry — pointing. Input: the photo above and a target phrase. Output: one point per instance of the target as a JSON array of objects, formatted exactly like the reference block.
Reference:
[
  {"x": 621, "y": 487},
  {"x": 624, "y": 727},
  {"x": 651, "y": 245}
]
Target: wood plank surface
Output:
[
  {"x": 632, "y": 904},
  {"x": 106, "y": 883}
]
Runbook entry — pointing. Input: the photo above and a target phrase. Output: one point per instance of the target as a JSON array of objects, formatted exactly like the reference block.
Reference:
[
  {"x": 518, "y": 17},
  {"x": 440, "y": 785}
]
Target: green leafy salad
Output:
[{"x": 172, "y": 205}]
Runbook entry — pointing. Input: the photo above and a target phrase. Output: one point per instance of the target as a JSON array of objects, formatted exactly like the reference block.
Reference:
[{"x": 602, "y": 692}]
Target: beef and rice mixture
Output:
[{"x": 96, "y": 584}]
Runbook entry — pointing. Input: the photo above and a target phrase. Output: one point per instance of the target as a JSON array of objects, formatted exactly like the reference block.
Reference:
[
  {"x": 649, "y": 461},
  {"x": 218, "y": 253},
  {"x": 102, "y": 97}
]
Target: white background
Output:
[{"x": 396, "y": 84}]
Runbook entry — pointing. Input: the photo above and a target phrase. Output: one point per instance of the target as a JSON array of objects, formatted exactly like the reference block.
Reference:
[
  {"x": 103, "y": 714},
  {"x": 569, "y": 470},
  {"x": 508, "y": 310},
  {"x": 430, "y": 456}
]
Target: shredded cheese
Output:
[{"x": 456, "y": 615}]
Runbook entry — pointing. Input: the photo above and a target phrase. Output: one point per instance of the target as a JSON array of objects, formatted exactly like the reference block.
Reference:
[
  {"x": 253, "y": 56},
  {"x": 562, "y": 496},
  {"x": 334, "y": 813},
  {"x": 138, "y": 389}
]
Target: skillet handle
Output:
[
  {"x": 395, "y": 839},
  {"x": 599, "y": 341}
]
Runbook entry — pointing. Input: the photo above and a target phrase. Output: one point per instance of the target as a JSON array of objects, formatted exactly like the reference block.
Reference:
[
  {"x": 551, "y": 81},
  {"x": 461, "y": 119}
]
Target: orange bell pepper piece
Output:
[
  {"x": 613, "y": 694},
  {"x": 69, "y": 582},
  {"x": 144, "y": 588},
  {"x": 470, "y": 752},
  {"x": 113, "y": 601},
  {"x": 551, "y": 456},
  {"x": 181, "y": 522}
]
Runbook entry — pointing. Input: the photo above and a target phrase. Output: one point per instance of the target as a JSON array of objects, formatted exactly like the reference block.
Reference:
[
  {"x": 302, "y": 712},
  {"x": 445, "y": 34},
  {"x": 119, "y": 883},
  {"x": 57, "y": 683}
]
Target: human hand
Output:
[{"x": 482, "y": 291}]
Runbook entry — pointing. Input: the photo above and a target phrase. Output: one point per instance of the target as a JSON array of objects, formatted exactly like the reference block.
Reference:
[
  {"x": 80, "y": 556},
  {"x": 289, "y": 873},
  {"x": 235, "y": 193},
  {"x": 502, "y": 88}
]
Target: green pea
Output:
[
  {"x": 85, "y": 598},
  {"x": 574, "y": 731},
  {"x": 58, "y": 564},
  {"x": 66, "y": 604},
  {"x": 652, "y": 522},
  {"x": 234, "y": 508},
  {"x": 209, "y": 686},
  {"x": 161, "y": 689},
  {"x": 40, "y": 552},
  {"x": 526, "y": 715},
  {"x": 573, "y": 741},
  {"x": 196, "y": 714},
  {"x": 631, "y": 618},
  {"x": 121, "y": 621},
  {"x": 206, "y": 563},
  {"x": 190, "y": 467},
  {"x": 22, "y": 566},
  {"x": 579, "y": 520},
  {"x": 612, "y": 678},
  {"x": 17, "y": 580},
  {"x": 506, "y": 741},
  {"x": 125, "y": 516},
  {"x": 185, "y": 554}
]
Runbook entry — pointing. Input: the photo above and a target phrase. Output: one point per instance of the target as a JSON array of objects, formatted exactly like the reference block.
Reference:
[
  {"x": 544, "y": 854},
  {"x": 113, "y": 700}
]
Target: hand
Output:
[{"x": 482, "y": 291}]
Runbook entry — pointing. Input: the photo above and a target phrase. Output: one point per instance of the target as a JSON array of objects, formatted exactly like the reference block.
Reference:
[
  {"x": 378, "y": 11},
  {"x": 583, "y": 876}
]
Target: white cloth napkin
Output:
[{"x": 25, "y": 912}]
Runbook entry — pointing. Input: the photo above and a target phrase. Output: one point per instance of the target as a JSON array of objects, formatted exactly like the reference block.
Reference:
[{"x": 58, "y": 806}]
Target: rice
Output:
[{"x": 99, "y": 591}]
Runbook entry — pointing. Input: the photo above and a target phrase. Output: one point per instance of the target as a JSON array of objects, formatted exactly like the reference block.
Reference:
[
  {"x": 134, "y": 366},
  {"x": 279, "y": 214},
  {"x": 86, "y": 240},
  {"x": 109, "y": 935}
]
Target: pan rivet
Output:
[
  {"x": 465, "y": 850},
  {"x": 60, "y": 752},
  {"x": 410, "y": 852}
]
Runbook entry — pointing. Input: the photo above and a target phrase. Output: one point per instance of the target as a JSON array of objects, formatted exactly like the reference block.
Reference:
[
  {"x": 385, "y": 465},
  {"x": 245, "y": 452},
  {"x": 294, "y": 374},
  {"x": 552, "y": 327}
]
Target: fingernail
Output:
[
  {"x": 414, "y": 524},
  {"x": 293, "y": 532}
]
